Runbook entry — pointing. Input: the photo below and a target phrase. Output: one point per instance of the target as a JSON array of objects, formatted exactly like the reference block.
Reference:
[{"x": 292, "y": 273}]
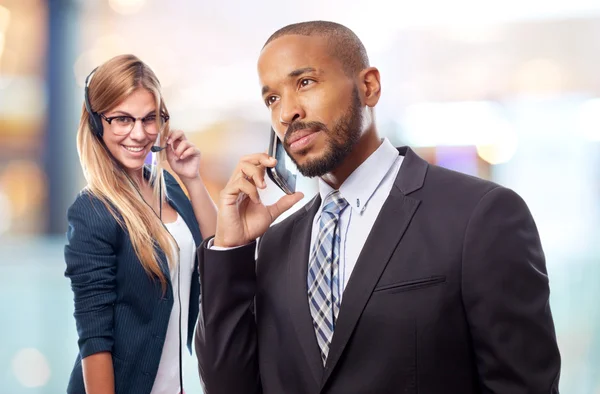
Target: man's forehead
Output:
[{"x": 292, "y": 51}]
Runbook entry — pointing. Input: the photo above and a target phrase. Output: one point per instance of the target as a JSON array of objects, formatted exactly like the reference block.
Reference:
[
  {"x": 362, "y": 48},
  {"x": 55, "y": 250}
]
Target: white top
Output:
[
  {"x": 366, "y": 189},
  {"x": 167, "y": 377}
]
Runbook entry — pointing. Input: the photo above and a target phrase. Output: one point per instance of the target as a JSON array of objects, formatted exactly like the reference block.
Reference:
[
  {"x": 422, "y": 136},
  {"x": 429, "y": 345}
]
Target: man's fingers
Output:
[
  {"x": 254, "y": 172},
  {"x": 259, "y": 159},
  {"x": 243, "y": 186}
]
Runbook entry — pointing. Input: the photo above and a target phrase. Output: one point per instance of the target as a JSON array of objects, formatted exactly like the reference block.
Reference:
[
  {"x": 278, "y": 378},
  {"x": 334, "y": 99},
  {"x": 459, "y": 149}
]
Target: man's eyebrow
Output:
[
  {"x": 301, "y": 71},
  {"x": 293, "y": 74}
]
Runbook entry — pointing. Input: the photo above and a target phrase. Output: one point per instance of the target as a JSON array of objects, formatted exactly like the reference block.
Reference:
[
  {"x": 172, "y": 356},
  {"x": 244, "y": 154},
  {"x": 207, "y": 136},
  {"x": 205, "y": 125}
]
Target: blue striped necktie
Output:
[{"x": 323, "y": 272}]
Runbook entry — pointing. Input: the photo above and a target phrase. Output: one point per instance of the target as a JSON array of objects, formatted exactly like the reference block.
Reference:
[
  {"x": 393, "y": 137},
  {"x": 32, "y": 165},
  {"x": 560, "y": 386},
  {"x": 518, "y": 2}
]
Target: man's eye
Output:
[
  {"x": 270, "y": 100},
  {"x": 305, "y": 82}
]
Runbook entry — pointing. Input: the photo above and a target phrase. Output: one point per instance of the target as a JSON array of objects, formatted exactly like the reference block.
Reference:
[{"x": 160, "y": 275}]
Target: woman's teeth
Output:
[{"x": 134, "y": 149}]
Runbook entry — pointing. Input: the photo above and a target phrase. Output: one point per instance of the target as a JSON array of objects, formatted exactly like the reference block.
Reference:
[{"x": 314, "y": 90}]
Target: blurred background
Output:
[{"x": 508, "y": 91}]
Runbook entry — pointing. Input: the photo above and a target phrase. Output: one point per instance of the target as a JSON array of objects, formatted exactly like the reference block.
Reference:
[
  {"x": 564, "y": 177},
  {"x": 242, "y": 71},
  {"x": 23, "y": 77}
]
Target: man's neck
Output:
[{"x": 368, "y": 143}]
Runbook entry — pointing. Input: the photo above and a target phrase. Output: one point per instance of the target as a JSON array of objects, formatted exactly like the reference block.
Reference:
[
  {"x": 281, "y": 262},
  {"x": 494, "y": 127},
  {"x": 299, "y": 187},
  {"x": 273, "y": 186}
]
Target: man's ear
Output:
[{"x": 370, "y": 86}]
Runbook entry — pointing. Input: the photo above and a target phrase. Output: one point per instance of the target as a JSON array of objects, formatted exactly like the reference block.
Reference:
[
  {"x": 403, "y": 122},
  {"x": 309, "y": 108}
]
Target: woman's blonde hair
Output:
[{"x": 112, "y": 83}]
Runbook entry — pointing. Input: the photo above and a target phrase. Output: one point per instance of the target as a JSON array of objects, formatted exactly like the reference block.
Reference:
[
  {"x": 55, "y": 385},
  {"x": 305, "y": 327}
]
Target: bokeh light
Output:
[{"x": 31, "y": 368}]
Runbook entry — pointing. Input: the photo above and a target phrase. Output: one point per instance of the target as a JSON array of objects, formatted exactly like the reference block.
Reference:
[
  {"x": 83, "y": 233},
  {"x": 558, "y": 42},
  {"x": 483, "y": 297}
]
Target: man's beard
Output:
[{"x": 340, "y": 141}]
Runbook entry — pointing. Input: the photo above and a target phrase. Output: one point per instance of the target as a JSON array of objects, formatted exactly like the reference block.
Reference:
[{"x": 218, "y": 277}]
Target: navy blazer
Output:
[{"x": 118, "y": 307}]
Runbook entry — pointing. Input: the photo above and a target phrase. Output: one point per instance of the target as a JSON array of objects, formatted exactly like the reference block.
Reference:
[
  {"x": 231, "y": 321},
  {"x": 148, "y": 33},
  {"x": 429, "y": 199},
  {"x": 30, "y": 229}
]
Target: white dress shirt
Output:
[{"x": 366, "y": 189}]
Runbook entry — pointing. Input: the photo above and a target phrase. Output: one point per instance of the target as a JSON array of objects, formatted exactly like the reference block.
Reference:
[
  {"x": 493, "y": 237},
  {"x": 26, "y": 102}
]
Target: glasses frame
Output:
[{"x": 109, "y": 120}]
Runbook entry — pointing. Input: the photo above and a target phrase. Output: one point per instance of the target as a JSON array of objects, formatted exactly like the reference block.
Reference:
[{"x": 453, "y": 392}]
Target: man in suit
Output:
[{"x": 398, "y": 277}]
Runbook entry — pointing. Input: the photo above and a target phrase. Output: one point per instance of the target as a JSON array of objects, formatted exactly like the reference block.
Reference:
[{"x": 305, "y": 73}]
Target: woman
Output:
[{"x": 132, "y": 237}]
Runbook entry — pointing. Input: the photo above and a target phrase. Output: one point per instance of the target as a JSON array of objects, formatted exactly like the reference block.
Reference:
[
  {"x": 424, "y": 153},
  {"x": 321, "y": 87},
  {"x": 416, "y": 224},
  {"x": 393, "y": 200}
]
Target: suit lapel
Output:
[
  {"x": 390, "y": 226},
  {"x": 299, "y": 252}
]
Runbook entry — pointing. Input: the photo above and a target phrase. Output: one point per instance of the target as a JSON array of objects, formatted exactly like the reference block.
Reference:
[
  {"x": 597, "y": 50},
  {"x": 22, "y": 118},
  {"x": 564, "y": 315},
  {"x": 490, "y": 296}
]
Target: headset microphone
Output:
[{"x": 158, "y": 148}]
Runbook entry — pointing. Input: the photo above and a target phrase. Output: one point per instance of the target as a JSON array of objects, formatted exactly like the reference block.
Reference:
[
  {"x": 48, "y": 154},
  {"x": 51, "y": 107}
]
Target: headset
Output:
[
  {"x": 95, "y": 120},
  {"x": 95, "y": 123}
]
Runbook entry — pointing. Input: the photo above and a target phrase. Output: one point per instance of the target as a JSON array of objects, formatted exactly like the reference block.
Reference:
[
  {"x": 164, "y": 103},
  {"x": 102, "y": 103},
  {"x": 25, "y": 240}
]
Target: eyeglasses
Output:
[{"x": 123, "y": 124}]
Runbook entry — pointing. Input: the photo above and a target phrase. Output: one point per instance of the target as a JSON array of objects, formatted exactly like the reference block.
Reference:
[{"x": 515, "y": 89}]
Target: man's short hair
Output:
[{"x": 343, "y": 43}]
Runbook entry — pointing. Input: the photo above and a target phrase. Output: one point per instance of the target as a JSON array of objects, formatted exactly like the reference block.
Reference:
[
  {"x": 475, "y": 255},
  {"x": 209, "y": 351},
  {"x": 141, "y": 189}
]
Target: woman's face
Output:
[{"x": 129, "y": 140}]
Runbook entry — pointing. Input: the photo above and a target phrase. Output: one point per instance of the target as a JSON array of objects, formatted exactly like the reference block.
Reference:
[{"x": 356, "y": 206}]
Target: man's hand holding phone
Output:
[{"x": 242, "y": 217}]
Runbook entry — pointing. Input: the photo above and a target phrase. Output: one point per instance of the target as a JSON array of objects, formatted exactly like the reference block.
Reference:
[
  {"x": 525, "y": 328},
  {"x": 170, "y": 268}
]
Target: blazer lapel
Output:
[
  {"x": 389, "y": 227},
  {"x": 299, "y": 251},
  {"x": 179, "y": 201}
]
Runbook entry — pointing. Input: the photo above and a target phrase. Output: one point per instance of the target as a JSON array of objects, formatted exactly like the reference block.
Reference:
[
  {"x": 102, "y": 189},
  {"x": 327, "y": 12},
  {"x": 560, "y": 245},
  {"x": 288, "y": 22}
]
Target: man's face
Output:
[{"x": 315, "y": 107}]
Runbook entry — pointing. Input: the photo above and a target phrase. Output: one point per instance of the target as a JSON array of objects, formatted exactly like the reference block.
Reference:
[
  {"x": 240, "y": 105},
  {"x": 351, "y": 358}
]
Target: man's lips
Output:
[
  {"x": 302, "y": 139},
  {"x": 296, "y": 135}
]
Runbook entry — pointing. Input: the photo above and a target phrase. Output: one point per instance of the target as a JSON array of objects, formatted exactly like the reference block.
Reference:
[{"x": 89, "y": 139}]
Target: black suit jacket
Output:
[{"x": 449, "y": 295}]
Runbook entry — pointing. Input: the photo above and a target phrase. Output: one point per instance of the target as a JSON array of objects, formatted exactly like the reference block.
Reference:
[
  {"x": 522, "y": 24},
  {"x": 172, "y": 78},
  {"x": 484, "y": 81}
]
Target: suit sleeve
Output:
[
  {"x": 506, "y": 297},
  {"x": 91, "y": 267},
  {"x": 226, "y": 340}
]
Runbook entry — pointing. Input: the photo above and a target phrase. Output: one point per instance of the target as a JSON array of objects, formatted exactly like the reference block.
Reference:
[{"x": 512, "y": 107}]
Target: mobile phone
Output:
[{"x": 284, "y": 172}]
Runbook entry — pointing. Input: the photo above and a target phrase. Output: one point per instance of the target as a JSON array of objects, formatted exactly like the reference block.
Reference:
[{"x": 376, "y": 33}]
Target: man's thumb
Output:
[{"x": 284, "y": 203}]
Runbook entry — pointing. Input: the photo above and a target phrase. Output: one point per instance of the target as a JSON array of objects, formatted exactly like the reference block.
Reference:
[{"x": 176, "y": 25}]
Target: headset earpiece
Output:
[{"x": 95, "y": 120}]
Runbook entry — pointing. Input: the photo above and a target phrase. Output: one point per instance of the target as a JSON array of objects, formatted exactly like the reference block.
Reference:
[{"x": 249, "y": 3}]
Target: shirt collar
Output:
[{"x": 362, "y": 183}]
